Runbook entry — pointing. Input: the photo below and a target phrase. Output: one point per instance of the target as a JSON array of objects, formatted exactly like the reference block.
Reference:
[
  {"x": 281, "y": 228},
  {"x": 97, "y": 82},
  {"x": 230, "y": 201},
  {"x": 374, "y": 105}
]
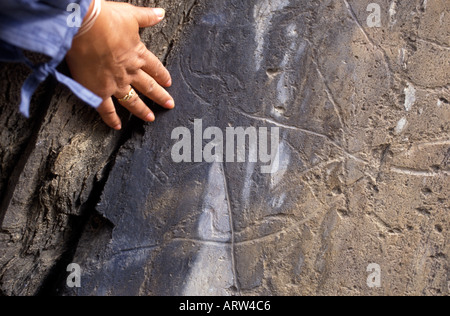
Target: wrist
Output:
[
  {"x": 90, "y": 18},
  {"x": 84, "y": 40}
]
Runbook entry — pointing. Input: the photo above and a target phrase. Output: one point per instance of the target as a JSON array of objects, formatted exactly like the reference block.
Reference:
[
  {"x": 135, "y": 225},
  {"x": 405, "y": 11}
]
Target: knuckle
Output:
[
  {"x": 159, "y": 67},
  {"x": 110, "y": 113},
  {"x": 151, "y": 88},
  {"x": 134, "y": 103},
  {"x": 106, "y": 112},
  {"x": 142, "y": 50},
  {"x": 120, "y": 76},
  {"x": 143, "y": 112},
  {"x": 139, "y": 64},
  {"x": 132, "y": 69}
]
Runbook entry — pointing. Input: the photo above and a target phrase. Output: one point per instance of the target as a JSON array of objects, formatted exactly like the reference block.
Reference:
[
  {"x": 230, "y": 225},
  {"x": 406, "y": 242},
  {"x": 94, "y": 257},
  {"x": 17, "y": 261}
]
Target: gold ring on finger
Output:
[{"x": 129, "y": 96}]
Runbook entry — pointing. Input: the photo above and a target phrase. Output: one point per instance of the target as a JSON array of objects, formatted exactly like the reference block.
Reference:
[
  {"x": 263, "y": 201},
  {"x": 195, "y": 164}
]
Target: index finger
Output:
[{"x": 155, "y": 68}]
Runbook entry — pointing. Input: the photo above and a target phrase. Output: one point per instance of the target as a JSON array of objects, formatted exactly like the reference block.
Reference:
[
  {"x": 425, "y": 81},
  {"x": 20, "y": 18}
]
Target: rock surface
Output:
[{"x": 363, "y": 174}]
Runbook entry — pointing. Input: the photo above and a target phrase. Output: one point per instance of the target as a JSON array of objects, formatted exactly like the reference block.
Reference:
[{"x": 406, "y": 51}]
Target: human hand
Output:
[{"x": 110, "y": 58}]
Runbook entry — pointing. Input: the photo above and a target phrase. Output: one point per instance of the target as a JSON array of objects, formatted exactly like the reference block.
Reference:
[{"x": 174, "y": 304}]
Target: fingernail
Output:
[
  {"x": 118, "y": 127},
  {"x": 170, "y": 104},
  {"x": 150, "y": 117},
  {"x": 169, "y": 83},
  {"x": 160, "y": 13}
]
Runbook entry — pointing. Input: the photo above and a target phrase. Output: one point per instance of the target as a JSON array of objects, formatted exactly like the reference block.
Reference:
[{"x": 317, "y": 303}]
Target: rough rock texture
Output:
[{"x": 364, "y": 154}]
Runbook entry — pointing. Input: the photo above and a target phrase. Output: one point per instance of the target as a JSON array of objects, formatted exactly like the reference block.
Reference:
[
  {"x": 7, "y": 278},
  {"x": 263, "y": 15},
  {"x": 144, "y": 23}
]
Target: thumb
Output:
[{"x": 148, "y": 16}]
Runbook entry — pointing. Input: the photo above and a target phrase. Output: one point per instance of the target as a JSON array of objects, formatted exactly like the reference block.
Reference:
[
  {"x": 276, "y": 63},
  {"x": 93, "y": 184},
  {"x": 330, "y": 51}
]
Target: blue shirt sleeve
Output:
[{"x": 40, "y": 26}]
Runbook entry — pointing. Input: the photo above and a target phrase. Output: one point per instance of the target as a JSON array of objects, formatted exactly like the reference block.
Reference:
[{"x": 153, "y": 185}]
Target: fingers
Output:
[
  {"x": 154, "y": 67},
  {"x": 148, "y": 16},
  {"x": 136, "y": 106},
  {"x": 152, "y": 90},
  {"x": 108, "y": 113},
  {"x": 133, "y": 103}
]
